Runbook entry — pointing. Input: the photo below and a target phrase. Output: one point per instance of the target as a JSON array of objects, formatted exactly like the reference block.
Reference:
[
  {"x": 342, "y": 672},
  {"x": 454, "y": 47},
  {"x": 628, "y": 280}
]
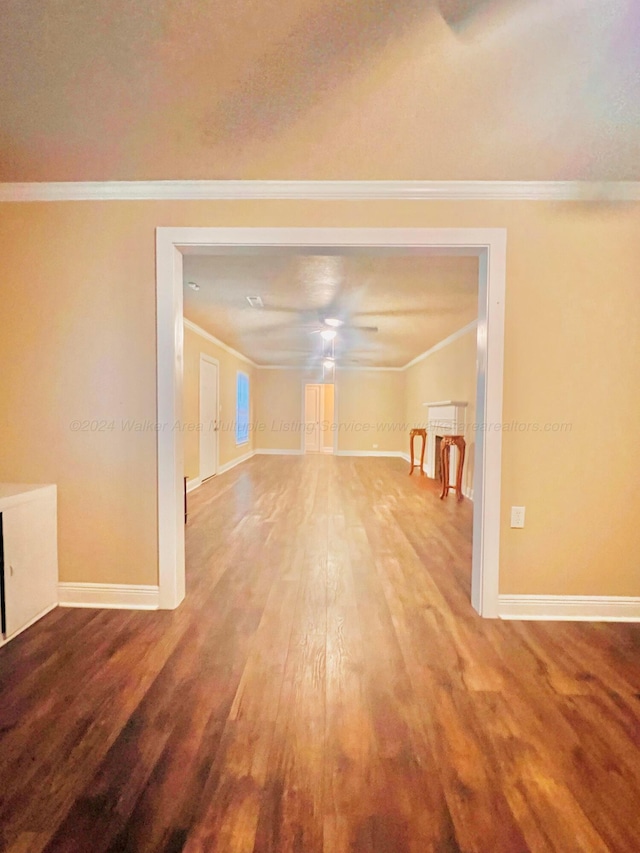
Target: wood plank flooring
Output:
[{"x": 325, "y": 688}]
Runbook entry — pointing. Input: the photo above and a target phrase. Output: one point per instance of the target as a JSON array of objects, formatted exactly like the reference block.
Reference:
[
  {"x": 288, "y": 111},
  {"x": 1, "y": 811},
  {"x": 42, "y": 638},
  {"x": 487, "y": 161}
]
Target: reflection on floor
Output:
[{"x": 325, "y": 686}]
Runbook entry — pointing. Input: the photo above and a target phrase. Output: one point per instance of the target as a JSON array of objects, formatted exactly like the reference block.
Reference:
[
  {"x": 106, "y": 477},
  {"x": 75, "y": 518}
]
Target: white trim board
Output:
[
  {"x": 441, "y": 345},
  {"x": 581, "y": 608},
  {"x": 268, "y": 451},
  {"x": 341, "y": 368},
  {"x": 237, "y": 461},
  {"x": 396, "y": 454},
  {"x": 301, "y": 367},
  {"x": 109, "y": 595},
  {"x": 209, "y": 337},
  {"x": 576, "y": 191},
  {"x": 487, "y": 244},
  {"x": 193, "y": 484}
]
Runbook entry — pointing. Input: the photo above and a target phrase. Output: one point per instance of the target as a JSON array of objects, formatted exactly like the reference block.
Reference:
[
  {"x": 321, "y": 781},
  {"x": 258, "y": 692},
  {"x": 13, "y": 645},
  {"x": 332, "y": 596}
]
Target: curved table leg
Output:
[
  {"x": 444, "y": 468},
  {"x": 411, "y": 442},
  {"x": 461, "y": 445}
]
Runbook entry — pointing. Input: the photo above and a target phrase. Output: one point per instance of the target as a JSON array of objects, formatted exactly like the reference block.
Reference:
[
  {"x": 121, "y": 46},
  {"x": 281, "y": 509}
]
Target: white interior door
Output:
[
  {"x": 312, "y": 418},
  {"x": 209, "y": 413}
]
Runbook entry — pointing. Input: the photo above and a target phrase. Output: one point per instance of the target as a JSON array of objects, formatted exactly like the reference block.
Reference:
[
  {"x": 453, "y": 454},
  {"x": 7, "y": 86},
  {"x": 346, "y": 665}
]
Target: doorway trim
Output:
[
  {"x": 488, "y": 244},
  {"x": 209, "y": 358}
]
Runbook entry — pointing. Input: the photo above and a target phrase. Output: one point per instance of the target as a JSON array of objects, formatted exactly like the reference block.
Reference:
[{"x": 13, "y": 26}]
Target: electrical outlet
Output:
[
  {"x": 517, "y": 516},
  {"x": 375, "y": 446}
]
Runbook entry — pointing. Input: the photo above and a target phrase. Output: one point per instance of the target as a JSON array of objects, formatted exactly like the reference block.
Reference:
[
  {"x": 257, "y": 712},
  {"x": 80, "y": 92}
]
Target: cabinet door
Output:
[{"x": 30, "y": 561}]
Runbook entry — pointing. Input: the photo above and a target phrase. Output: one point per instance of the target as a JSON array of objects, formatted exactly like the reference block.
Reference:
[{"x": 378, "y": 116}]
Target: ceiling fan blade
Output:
[
  {"x": 438, "y": 308},
  {"x": 276, "y": 329},
  {"x": 360, "y": 328}
]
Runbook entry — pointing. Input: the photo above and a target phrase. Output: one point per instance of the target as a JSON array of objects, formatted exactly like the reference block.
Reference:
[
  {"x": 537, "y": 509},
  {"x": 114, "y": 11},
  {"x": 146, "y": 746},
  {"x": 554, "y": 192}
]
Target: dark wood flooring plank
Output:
[{"x": 325, "y": 688}]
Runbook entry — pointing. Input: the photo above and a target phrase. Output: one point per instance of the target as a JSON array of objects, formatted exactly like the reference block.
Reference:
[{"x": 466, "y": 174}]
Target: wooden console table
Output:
[
  {"x": 412, "y": 436},
  {"x": 447, "y": 442}
]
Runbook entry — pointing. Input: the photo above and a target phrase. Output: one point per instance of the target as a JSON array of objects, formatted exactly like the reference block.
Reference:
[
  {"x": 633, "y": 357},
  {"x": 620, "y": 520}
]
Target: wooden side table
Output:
[
  {"x": 412, "y": 436},
  {"x": 447, "y": 442}
]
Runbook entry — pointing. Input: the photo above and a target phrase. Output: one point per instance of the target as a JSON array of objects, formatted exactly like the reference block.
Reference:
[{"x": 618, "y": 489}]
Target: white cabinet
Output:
[{"x": 30, "y": 554}]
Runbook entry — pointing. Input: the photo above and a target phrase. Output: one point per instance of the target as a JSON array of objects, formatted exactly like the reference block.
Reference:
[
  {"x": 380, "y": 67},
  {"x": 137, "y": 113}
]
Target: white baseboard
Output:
[
  {"x": 272, "y": 452},
  {"x": 583, "y": 608},
  {"x": 328, "y": 450},
  {"x": 193, "y": 484},
  {"x": 396, "y": 454},
  {"x": 112, "y": 595},
  {"x": 44, "y": 612},
  {"x": 229, "y": 465}
]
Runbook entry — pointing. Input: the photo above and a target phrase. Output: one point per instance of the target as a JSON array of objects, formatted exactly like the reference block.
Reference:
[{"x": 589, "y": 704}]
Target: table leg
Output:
[
  {"x": 444, "y": 469},
  {"x": 461, "y": 453}
]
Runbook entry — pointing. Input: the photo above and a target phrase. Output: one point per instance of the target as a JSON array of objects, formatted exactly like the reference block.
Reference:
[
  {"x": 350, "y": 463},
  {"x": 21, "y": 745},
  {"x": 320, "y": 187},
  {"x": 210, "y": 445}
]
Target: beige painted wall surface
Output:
[
  {"x": 447, "y": 374},
  {"x": 229, "y": 365},
  {"x": 370, "y": 410},
  {"x": 77, "y": 343},
  {"x": 278, "y": 401}
]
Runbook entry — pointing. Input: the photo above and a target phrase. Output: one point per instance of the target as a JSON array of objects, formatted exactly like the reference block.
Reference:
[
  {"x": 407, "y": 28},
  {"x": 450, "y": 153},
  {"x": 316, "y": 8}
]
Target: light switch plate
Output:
[{"x": 517, "y": 516}]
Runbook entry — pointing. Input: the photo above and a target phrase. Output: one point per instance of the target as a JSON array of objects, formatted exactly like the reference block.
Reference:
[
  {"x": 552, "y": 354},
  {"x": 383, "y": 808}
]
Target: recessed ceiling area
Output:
[{"x": 392, "y": 307}]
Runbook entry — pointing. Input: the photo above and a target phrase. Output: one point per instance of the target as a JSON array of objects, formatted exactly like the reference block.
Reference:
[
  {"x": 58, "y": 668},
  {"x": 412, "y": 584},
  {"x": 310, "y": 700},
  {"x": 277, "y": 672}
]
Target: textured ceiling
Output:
[
  {"x": 320, "y": 89},
  {"x": 414, "y": 301}
]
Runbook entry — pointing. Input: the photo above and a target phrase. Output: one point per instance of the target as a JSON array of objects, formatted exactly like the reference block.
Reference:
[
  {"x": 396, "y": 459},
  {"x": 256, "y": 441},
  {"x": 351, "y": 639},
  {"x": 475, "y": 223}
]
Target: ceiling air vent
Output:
[{"x": 255, "y": 301}]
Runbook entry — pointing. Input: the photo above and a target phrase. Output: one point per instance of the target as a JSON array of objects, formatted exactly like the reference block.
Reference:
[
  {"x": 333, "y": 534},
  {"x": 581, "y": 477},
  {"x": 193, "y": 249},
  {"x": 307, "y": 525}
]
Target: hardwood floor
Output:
[{"x": 326, "y": 686}]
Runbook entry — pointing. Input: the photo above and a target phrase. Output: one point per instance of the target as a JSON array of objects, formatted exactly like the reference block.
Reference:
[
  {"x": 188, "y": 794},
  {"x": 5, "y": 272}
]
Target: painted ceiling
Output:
[
  {"x": 320, "y": 89},
  {"x": 393, "y": 307}
]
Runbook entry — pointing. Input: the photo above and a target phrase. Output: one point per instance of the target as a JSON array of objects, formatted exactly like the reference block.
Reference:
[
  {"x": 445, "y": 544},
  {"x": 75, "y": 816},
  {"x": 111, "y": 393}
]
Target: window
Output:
[{"x": 242, "y": 408}]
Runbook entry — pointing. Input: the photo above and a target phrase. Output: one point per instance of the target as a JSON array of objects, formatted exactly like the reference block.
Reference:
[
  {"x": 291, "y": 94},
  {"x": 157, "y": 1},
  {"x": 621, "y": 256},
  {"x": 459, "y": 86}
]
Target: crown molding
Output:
[
  {"x": 442, "y": 344},
  {"x": 343, "y": 368},
  {"x": 209, "y": 337},
  {"x": 300, "y": 367},
  {"x": 608, "y": 191},
  {"x": 349, "y": 368}
]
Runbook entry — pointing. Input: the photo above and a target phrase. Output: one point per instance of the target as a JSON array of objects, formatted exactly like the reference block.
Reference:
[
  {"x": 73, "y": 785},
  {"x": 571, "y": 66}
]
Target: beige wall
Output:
[
  {"x": 278, "y": 401},
  {"x": 77, "y": 342},
  {"x": 228, "y": 367},
  {"x": 370, "y": 410},
  {"x": 447, "y": 374}
]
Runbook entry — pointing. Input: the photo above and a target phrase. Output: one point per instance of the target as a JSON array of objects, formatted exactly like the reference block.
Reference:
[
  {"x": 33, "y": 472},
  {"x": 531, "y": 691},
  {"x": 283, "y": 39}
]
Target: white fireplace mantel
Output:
[{"x": 445, "y": 417}]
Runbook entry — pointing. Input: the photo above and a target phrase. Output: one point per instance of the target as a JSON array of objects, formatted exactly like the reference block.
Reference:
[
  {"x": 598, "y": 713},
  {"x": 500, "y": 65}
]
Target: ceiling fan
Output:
[
  {"x": 313, "y": 321},
  {"x": 328, "y": 324}
]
